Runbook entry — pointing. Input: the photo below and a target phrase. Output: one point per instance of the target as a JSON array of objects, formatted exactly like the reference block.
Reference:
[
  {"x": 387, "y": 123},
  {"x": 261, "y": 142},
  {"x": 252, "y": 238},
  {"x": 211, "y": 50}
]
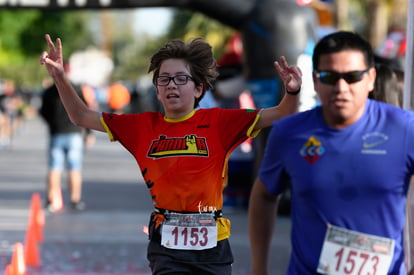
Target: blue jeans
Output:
[{"x": 66, "y": 148}]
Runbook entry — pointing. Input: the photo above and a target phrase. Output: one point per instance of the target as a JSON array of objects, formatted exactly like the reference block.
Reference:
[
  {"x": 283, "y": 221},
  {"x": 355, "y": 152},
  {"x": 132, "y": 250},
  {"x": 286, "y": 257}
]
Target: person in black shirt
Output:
[{"x": 66, "y": 148}]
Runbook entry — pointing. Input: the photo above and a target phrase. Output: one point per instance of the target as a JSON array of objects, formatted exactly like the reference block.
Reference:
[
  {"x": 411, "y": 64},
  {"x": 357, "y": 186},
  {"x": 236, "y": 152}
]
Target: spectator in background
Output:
[
  {"x": 389, "y": 85},
  {"x": 11, "y": 112},
  {"x": 118, "y": 98},
  {"x": 231, "y": 91},
  {"x": 4, "y": 117},
  {"x": 66, "y": 149},
  {"x": 89, "y": 95},
  {"x": 394, "y": 47}
]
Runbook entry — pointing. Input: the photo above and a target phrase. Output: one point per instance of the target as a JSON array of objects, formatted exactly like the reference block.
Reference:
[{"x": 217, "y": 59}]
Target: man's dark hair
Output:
[
  {"x": 196, "y": 53},
  {"x": 341, "y": 41}
]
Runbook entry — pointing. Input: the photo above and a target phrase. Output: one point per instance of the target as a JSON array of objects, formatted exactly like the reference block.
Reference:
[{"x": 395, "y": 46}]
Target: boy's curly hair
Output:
[{"x": 196, "y": 53}]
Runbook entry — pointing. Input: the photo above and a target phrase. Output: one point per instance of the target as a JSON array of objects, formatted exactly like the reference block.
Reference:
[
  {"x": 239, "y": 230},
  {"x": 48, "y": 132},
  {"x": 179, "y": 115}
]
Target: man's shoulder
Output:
[{"x": 390, "y": 111}]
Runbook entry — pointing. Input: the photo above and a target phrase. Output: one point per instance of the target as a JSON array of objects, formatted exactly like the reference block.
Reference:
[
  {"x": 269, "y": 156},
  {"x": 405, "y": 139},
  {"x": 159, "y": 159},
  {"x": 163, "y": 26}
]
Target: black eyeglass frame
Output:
[
  {"x": 173, "y": 78},
  {"x": 349, "y": 77}
]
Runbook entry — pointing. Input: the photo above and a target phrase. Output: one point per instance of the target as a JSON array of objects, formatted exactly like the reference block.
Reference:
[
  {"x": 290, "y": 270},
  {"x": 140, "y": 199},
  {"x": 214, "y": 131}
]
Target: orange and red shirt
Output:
[{"x": 183, "y": 162}]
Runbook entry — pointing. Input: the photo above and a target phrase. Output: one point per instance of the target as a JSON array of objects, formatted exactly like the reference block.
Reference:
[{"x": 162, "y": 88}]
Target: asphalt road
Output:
[{"x": 106, "y": 238}]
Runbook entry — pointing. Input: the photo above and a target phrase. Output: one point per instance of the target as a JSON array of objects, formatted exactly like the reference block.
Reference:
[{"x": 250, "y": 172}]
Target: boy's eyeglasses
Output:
[
  {"x": 180, "y": 79},
  {"x": 331, "y": 77}
]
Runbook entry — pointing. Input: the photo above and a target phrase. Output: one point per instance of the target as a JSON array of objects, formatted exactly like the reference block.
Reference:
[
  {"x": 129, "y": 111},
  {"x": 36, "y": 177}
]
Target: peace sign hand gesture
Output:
[
  {"x": 53, "y": 59},
  {"x": 290, "y": 75}
]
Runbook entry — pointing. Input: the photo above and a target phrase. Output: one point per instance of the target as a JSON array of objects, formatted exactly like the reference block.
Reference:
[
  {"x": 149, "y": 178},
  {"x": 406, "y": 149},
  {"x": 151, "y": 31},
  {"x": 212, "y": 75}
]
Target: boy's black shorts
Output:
[{"x": 214, "y": 261}]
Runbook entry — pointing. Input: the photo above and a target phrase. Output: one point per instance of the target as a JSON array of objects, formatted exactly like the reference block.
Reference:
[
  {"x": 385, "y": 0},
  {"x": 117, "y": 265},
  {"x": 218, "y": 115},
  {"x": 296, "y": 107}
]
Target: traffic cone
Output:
[
  {"x": 9, "y": 270},
  {"x": 56, "y": 200},
  {"x": 31, "y": 248},
  {"x": 18, "y": 265},
  {"x": 37, "y": 217}
]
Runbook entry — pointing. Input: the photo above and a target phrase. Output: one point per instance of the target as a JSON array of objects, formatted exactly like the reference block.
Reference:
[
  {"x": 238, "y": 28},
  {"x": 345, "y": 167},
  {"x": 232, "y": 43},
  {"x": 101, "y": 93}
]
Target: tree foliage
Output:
[
  {"x": 132, "y": 60},
  {"x": 188, "y": 24},
  {"x": 372, "y": 18},
  {"x": 22, "y": 41},
  {"x": 22, "y": 36}
]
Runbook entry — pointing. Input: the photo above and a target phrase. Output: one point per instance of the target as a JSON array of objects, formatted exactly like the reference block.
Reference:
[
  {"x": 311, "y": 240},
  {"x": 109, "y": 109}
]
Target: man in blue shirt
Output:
[{"x": 349, "y": 164}]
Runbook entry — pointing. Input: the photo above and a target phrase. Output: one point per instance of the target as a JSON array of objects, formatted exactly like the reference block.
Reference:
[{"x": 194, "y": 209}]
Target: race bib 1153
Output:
[{"x": 189, "y": 231}]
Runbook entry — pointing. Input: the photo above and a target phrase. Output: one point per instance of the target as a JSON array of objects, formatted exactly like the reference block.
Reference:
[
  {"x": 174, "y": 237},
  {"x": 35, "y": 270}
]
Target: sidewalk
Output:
[{"x": 106, "y": 238}]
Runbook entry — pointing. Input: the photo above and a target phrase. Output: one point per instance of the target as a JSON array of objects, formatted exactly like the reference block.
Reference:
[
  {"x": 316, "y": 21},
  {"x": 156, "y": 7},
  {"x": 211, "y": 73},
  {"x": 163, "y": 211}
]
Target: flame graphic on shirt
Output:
[{"x": 189, "y": 145}]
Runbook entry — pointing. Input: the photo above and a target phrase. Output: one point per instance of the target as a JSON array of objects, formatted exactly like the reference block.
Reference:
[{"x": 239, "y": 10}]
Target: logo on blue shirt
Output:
[
  {"x": 371, "y": 142},
  {"x": 312, "y": 150}
]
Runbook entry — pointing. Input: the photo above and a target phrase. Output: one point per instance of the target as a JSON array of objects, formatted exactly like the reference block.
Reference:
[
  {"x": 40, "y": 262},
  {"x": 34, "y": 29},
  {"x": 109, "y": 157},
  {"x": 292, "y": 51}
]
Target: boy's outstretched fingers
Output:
[
  {"x": 43, "y": 57},
  {"x": 49, "y": 42}
]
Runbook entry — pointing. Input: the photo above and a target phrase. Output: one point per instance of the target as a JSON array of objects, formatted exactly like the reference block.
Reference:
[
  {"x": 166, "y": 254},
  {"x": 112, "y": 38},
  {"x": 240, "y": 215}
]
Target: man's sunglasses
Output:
[{"x": 331, "y": 77}]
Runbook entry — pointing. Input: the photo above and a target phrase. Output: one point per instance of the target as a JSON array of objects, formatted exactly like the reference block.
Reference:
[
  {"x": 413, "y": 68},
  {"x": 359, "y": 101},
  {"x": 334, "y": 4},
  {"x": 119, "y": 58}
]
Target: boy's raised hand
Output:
[
  {"x": 53, "y": 59},
  {"x": 290, "y": 75}
]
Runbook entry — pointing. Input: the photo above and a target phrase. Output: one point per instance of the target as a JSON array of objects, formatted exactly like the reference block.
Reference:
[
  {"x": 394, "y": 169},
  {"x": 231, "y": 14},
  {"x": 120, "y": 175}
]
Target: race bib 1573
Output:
[{"x": 354, "y": 253}]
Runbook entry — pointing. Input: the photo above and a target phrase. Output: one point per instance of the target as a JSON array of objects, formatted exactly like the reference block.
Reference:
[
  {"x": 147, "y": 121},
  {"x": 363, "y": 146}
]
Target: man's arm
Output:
[{"x": 262, "y": 217}]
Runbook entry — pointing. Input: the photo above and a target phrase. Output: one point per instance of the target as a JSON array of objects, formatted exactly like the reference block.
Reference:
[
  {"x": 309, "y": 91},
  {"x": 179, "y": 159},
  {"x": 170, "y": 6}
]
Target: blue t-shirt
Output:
[{"x": 356, "y": 177}]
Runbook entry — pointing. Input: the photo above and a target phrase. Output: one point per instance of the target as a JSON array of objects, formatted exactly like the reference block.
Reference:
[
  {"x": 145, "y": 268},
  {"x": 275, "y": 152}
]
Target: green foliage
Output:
[
  {"x": 22, "y": 41},
  {"x": 68, "y": 26},
  {"x": 178, "y": 27},
  {"x": 12, "y": 23},
  {"x": 188, "y": 24},
  {"x": 26, "y": 74},
  {"x": 132, "y": 59}
]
